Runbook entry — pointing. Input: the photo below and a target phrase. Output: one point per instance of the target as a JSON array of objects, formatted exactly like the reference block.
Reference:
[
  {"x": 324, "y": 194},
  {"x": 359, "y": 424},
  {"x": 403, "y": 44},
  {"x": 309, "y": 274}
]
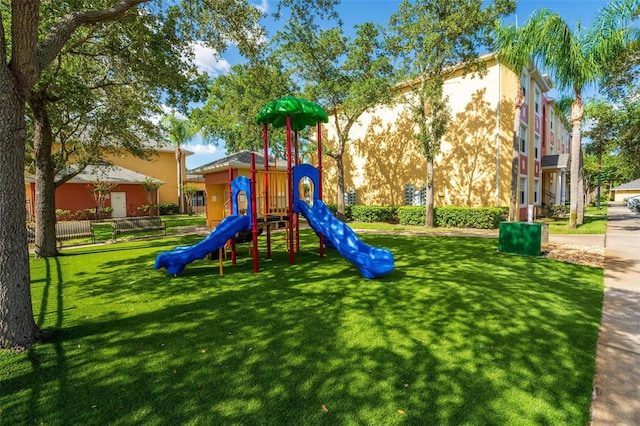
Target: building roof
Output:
[
  {"x": 239, "y": 160},
  {"x": 557, "y": 161},
  {"x": 160, "y": 146},
  {"x": 106, "y": 173},
  {"x": 634, "y": 184}
]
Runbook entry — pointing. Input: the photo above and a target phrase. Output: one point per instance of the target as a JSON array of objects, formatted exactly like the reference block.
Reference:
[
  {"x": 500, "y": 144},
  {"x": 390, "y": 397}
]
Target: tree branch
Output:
[
  {"x": 24, "y": 36},
  {"x": 60, "y": 34}
]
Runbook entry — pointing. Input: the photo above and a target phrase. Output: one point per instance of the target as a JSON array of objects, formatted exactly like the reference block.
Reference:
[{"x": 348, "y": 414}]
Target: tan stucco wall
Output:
[
  {"x": 382, "y": 156},
  {"x": 160, "y": 165}
]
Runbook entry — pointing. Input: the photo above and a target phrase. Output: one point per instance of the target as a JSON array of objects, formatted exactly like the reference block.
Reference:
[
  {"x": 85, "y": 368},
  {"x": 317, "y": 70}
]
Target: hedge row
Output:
[
  {"x": 90, "y": 214},
  {"x": 362, "y": 213},
  {"x": 84, "y": 214},
  {"x": 163, "y": 208},
  {"x": 455, "y": 217},
  {"x": 450, "y": 217}
]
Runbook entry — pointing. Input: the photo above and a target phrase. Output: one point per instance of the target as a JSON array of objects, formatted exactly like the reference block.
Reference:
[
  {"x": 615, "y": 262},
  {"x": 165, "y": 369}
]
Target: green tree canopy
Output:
[
  {"x": 346, "y": 76},
  {"x": 235, "y": 99}
]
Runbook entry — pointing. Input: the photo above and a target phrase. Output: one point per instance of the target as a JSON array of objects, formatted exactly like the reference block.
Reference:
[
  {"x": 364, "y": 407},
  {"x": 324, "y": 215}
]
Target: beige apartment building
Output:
[{"x": 384, "y": 164}]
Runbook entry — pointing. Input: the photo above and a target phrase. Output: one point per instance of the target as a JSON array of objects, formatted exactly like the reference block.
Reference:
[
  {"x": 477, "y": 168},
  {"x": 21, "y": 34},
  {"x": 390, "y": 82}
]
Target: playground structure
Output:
[{"x": 255, "y": 204}]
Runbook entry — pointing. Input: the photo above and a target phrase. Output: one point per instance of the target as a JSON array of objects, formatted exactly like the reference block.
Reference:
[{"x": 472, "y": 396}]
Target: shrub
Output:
[
  {"x": 347, "y": 210},
  {"x": 466, "y": 217},
  {"x": 84, "y": 214},
  {"x": 162, "y": 208},
  {"x": 555, "y": 211},
  {"x": 455, "y": 217},
  {"x": 374, "y": 213},
  {"x": 167, "y": 208},
  {"x": 143, "y": 210},
  {"x": 411, "y": 215}
]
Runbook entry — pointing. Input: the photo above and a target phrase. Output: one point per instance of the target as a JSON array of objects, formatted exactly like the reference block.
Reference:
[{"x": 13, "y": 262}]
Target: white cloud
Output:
[
  {"x": 202, "y": 154},
  {"x": 199, "y": 148},
  {"x": 207, "y": 60},
  {"x": 155, "y": 119},
  {"x": 263, "y": 6}
]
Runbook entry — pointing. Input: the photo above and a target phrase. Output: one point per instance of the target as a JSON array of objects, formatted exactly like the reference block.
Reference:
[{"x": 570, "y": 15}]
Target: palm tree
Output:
[
  {"x": 179, "y": 131},
  {"x": 515, "y": 55},
  {"x": 576, "y": 60}
]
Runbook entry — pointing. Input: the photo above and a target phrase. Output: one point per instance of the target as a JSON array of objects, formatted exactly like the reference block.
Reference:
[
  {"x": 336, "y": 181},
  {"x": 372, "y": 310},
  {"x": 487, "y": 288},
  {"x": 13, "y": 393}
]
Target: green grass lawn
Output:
[
  {"x": 595, "y": 222},
  {"x": 457, "y": 334}
]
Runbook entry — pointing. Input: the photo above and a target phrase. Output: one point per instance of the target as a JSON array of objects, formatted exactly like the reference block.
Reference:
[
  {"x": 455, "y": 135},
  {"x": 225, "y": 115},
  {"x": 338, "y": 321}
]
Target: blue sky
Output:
[{"x": 354, "y": 12}]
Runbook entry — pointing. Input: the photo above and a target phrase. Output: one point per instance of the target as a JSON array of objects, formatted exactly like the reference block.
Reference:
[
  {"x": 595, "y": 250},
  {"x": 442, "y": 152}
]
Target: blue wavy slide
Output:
[
  {"x": 372, "y": 261},
  {"x": 176, "y": 259}
]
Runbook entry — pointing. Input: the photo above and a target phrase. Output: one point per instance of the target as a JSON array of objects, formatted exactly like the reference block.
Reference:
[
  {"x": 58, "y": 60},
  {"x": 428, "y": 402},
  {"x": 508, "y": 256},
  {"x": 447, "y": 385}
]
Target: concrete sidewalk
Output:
[{"x": 617, "y": 382}]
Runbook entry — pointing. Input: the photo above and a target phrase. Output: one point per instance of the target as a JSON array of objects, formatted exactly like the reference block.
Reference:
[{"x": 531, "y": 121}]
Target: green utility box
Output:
[{"x": 526, "y": 238}]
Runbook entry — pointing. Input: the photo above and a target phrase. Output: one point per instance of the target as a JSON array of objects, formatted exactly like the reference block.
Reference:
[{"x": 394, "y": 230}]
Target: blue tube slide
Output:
[
  {"x": 176, "y": 259},
  {"x": 372, "y": 261}
]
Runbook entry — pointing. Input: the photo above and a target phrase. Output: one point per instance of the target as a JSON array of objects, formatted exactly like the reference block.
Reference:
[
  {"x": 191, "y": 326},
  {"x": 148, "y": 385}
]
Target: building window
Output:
[
  {"x": 351, "y": 197},
  {"x": 523, "y": 191},
  {"x": 408, "y": 194},
  {"x": 524, "y": 81},
  {"x": 536, "y": 191},
  {"x": 414, "y": 196},
  {"x": 524, "y": 136},
  {"x": 536, "y": 147},
  {"x": 553, "y": 118},
  {"x": 537, "y": 101}
]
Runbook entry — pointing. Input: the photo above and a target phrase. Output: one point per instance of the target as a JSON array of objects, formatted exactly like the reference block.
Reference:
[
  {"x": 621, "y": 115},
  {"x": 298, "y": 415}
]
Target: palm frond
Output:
[
  {"x": 511, "y": 47},
  {"x": 559, "y": 50},
  {"x": 613, "y": 30},
  {"x": 562, "y": 106}
]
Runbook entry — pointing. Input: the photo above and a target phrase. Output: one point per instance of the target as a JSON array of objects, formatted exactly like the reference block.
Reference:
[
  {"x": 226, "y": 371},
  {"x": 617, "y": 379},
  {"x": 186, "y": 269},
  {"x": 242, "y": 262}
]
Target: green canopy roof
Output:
[{"x": 303, "y": 113}]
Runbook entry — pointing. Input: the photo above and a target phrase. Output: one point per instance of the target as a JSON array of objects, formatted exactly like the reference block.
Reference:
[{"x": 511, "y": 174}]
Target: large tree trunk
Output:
[
  {"x": 581, "y": 191},
  {"x": 428, "y": 219},
  {"x": 576, "y": 121},
  {"x": 17, "y": 79},
  {"x": 515, "y": 158},
  {"x": 340, "y": 171},
  {"x": 45, "y": 205},
  {"x": 17, "y": 326}
]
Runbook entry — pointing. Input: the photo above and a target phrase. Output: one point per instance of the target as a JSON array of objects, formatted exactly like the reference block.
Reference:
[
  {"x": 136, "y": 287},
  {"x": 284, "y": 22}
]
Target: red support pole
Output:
[
  {"x": 296, "y": 147},
  {"x": 290, "y": 191},
  {"x": 231, "y": 201},
  {"x": 254, "y": 215},
  {"x": 320, "y": 179},
  {"x": 296, "y": 217},
  {"x": 265, "y": 138}
]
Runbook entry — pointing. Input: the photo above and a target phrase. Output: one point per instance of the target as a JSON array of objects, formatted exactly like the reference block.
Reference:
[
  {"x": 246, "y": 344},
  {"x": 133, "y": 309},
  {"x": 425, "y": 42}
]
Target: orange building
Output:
[{"x": 128, "y": 172}]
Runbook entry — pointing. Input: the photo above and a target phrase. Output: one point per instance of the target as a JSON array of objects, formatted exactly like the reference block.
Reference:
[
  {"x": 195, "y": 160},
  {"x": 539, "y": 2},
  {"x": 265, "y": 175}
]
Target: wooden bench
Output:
[
  {"x": 66, "y": 230},
  {"x": 132, "y": 225}
]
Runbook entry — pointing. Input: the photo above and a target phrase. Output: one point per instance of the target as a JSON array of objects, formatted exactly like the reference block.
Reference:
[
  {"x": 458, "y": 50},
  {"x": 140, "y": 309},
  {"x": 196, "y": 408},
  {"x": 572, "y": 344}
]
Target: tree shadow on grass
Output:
[{"x": 458, "y": 333}]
